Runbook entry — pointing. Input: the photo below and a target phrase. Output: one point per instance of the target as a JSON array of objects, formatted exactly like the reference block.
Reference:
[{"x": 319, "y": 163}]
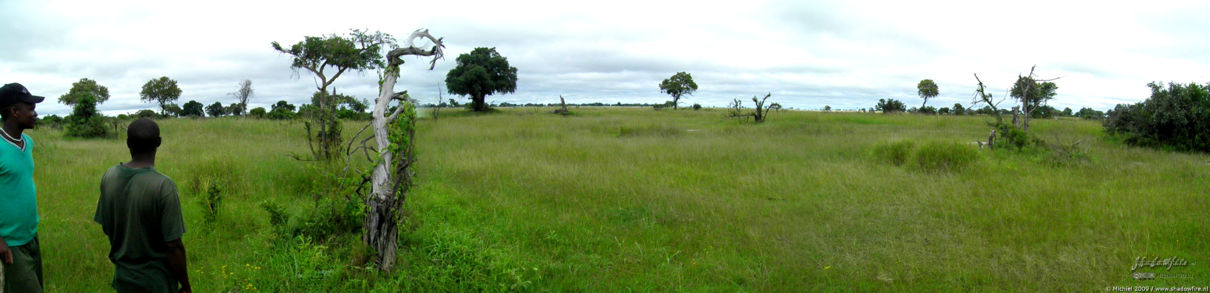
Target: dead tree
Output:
[
  {"x": 762, "y": 112},
  {"x": 562, "y": 107},
  {"x": 392, "y": 176}
]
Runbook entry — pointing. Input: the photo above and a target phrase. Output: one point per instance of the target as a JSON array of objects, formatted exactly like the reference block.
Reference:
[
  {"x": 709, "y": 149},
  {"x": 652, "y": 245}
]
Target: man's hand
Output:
[{"x": 6, "y": 255}]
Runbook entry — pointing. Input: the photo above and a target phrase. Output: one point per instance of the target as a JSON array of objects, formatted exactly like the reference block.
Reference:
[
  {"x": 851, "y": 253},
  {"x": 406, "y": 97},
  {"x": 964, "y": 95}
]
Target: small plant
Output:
[
  {"x": 278, "y": 218},
  {"x": 212, "y": 200},
  {"x": 895, "y": 153},
  {"x": 943, "y": 156}
]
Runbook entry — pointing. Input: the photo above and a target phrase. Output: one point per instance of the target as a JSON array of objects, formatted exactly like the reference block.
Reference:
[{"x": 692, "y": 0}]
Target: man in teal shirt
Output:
[
  {"x": 141, "y": 213},
  {"x": 19, "y": 249}
]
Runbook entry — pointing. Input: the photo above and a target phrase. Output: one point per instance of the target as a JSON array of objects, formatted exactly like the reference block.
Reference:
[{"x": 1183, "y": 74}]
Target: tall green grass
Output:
[{"x": 643, "y": 200}]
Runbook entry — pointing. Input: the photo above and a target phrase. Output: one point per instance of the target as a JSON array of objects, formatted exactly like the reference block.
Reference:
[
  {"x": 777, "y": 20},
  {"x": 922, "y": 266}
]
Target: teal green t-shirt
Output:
[{"x": 18, "y": 196}]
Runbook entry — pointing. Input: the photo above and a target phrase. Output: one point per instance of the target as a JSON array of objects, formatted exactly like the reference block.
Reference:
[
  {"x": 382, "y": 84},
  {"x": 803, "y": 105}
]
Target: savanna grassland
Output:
[{"x": 642, "y": 200}]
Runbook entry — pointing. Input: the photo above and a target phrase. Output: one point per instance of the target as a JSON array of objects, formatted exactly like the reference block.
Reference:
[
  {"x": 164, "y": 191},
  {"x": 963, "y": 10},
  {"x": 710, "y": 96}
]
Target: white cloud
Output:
[{"x": 846, "y": 55}]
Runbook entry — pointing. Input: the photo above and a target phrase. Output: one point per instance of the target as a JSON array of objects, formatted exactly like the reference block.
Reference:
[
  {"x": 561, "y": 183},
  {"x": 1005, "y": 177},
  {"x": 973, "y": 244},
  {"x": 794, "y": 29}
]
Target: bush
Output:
[
  {"x": 889, "y": 106},
  {"x": 943, "y": 156},
  {"x": 895, "y": 153},
  {"x": 697, "y": 106},
  {"x": 929, "y": 110},
  {"x": 258, "y": 112},
  {"x": 212, "y": 200},
  {"x": 1177, "y": 117},
  {"x": 146, "y": 114},
  {"x": 85, "y": 121}
]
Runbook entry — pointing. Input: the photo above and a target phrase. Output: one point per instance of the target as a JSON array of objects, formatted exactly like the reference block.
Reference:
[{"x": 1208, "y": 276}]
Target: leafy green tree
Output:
[
  {"x": 926, "y": 89},
  {"x": 890, "y": 106},
  {"x": 1067, "y": 112},
  {"x": 959, "y": 109},
  {"x": 146, "y": 114},
  {"x": 216, "y": 109},
  {"x": 1176, "y": 117},
  {"x": 258, "y": 112},
  {"x": 1032, "y": 94},
  {"x": 1089, "y": 113},
  {"x": 162, "y": 90},
  {"x": 192, "y": 108},
  {"x": 171, "y": 109},
  {"x": 678, "y": 85},
  {"x": 85, "y": 88},
  {"x": 359, "y": 51},
  {"x": 282, "y": 110},
  {"x": 479, "y": 73},
  {"x": 84, "y": 120}
]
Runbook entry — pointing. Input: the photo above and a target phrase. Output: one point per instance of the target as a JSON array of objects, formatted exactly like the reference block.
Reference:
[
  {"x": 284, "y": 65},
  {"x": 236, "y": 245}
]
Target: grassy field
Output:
[{"x": 643, "y": 200}]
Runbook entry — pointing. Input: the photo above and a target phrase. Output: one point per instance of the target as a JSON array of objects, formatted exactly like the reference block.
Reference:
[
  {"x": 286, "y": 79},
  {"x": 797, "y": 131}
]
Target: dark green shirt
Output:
[{"x": 140, "y": 212}]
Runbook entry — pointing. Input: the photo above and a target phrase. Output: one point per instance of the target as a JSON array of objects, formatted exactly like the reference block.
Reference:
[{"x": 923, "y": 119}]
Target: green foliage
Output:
[
  {"x": 480, "y": 73},
  {"x": 894, "y": 153},
  {"x": 52, "y": 121},
  {"x": 1089, "y": 113},
  {"x": 192, "y": 108},
  {"x": 258, "y": 112},
  {"x": 927, "y": 110},
  {"x": 216, "y": 110},
  {"x": 1176, "y": 117},
  {"x": 162, "y": 90},
  {"x": 358, "y": 51},
  {"x": 172, "y": 109},
  {"x": 145, "y": 113},
  {"x": 889, "y": 106},
  {"x": 943, "y": 156},
  {"x": 678, "y": 85},
  {"x": 958, "y": 109},
  {"x": 85, "y": 88},
  {"x": 926, "y": 89},
  {"x": 1031, "y": 93},
  {"x": 212, "y": 200},
  {"x": 85, "y": 121},
  {"x": 697, "y": 107}
]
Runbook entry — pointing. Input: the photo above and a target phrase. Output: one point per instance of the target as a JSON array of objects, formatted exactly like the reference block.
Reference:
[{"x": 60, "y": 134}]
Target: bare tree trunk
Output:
[
  {"x": 392, "y": 174},
  {"x": 1016, "y": 112}
]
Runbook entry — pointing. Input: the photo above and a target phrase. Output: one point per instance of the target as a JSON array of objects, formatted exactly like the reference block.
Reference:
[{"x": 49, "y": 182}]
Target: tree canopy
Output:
[
  {"x": 216, "y": 109},
  {"x": 192, "y": 108},
  {"x": 678, "y": 85},
  {"x": 927, "y": 89},
  {"x": 85, "y": 88},
  {"x": 480, "y": 73},
  {"x": 162, "y": 90}
]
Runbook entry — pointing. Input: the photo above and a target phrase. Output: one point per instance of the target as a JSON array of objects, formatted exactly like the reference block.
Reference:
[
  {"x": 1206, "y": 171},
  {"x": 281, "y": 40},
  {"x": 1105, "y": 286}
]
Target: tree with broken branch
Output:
[
  {"x": 394, "y": 134},
  {"x": 1032, "y": 93},
  {"x": 334, "y": 55}
]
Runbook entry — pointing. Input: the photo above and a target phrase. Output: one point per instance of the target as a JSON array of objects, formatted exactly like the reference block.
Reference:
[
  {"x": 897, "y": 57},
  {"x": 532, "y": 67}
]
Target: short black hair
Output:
[{"x": 143, "y": 136}]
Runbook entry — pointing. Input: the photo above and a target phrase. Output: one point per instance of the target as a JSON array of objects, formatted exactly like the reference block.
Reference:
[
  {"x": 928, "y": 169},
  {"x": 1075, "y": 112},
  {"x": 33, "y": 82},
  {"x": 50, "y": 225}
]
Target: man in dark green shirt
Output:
[
  {"x": 141, "y": 213},
  {"x": 20, "y": 255}
]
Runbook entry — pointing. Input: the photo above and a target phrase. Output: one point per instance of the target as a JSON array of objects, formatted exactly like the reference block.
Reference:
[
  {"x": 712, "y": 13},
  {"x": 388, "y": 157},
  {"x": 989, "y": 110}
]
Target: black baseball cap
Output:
[{"x": 14, "y": 92}]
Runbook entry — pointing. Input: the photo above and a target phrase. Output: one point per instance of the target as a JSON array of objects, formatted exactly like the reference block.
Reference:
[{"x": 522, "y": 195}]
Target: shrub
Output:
[
  {"x": 145, "y": 113},
  {"x": 258, "y": 112},
  {"x": 697, "y": 106},
  {"x": 895, "y": 153},
  {"x": 1177, "y": 117},
  {"x": 85, "y": 121},
  {"x": 331, "y": 217},
  {"x": 943, "y": 156},
  {"x": 929, "y": 110},
  {"x": 889, "y": 106},
  {"x": 212, "y": 200}
]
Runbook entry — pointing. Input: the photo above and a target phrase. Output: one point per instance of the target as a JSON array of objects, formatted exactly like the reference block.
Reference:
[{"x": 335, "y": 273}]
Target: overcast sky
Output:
[{"x": 808, "y": 55}]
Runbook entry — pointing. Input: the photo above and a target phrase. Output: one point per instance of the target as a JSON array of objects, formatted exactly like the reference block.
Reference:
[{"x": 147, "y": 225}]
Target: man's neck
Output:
[
  {"x": 138, "y": 161},
  {"x": 13, "y": 130}
]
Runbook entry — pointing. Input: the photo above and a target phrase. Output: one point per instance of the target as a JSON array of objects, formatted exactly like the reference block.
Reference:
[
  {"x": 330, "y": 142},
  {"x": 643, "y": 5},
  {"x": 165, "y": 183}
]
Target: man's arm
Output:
[
  {"x": 177, "y": 264},
  {"x": 6, "y": 255}
]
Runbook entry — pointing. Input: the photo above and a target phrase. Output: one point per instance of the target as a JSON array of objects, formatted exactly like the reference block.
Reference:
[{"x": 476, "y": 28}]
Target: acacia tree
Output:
[
  {"x": 243, "y": 94},
  {"x": 85, "y": 88},
  {"x": 926, "y": 89},
  {"x": 479, "y": 73},
  {"x": 394, "y": 133},
  {"x": 162, "y": 90},
  {"x": 321, "y": 56},
  {"x": 678, "y": 85}
]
